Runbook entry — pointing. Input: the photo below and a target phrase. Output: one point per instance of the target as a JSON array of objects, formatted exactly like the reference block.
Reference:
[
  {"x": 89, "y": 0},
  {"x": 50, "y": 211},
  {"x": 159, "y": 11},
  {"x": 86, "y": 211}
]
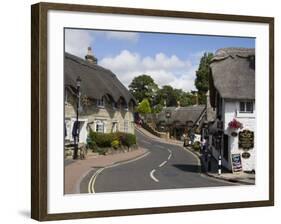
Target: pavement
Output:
[
  {"x": 210, "y": 166},
  {"x": 76, "y": 170}
]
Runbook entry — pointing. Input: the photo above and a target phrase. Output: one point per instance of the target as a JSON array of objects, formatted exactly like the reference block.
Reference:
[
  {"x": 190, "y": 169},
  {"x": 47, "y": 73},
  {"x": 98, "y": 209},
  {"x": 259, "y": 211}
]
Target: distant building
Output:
[
  {"x": 232, "y": 100},
  {"x": 180, "y": 120},
  {"x": 105, "y": 106}
]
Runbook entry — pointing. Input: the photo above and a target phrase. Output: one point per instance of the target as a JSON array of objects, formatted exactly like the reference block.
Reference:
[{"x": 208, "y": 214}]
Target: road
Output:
[{"x": 165, "y": 166}]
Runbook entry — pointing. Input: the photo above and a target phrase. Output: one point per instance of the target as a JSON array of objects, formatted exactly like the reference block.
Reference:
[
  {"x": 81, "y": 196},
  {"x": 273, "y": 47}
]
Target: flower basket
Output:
[{"x": 234, "y": 125}]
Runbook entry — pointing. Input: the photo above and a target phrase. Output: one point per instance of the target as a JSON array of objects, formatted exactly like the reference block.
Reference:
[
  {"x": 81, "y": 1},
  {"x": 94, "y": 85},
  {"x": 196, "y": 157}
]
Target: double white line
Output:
[{"x": 91, "y": 185}]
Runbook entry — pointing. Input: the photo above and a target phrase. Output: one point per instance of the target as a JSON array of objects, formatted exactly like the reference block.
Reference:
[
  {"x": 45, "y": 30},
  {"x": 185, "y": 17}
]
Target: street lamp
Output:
[
  {"x": 168, "y": 115},
  {"x": 76, "y": 125},
  {"x": 219, "y": 141}
]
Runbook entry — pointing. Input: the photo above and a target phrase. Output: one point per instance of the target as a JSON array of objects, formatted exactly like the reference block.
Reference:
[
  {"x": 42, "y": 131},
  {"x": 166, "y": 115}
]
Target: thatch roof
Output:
[
  {"x": 181, "y": 115},
  {"x": 233, "y": 73},
  {"x": 96, "y": 80}
]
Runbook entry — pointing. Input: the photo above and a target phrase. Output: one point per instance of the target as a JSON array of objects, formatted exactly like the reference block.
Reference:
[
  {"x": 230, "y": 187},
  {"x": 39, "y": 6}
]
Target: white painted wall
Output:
[{"x": 230, "y": 111}]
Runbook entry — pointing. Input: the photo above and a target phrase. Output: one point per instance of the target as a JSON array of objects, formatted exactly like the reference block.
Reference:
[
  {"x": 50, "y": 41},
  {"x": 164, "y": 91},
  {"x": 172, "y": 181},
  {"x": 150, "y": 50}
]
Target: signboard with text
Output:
[
  {"x": 246, "y": 139},
  {"x": 236, "y": 163}
]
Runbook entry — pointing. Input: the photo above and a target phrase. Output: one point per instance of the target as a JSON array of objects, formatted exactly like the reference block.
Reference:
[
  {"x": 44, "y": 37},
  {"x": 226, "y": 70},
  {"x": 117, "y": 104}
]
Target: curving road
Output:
[{"x": 165, "y": 166}]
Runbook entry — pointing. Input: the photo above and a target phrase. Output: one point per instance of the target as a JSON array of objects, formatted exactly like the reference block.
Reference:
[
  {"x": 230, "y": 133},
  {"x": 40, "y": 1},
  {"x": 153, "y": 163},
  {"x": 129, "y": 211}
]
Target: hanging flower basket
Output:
[{"x": 234, "y": 125}]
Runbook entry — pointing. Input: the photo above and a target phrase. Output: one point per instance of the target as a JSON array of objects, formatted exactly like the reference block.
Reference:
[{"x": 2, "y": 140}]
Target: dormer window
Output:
[
  {"x": 114, "y": 105},
  {"x": 101, "y": 102}
]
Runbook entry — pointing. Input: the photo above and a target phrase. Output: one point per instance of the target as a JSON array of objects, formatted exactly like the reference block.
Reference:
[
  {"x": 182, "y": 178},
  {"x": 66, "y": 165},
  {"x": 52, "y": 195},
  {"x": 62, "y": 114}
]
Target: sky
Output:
[{"x": 170, "y": 59}]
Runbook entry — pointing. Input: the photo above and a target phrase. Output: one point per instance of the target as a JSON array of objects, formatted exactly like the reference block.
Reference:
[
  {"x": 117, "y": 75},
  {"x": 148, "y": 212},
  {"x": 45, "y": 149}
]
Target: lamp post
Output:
[
  {"x": 219, "y": 138},
  {"x": 168, "y": 115},
  {"x": 76, "y": 136}
]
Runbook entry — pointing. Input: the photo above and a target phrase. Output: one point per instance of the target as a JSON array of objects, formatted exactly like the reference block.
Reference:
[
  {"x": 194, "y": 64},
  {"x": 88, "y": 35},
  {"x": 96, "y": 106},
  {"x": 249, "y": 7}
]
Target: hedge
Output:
[{"x": 106, "y": 139}]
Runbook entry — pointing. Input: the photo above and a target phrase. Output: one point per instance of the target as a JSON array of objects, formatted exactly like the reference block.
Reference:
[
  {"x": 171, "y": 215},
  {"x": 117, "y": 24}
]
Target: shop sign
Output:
[{"x": 246, "y": 139}]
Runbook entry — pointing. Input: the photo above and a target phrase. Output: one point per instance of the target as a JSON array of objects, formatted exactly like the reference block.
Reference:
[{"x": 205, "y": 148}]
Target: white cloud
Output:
[
  {"x": 77, "y": 41},
  {"x": 128, "y": 36},
  {"x": 165, "y": 70}
]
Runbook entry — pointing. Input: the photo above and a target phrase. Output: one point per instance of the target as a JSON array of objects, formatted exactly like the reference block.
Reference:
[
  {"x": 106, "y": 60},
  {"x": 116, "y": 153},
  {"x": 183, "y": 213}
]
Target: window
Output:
[
  {"x": 114, "y": 126},
  {"x": 126, "y": 126},
  {"x": 99, "y": 126},
  {"x": 114, "y": 105},
  {"x": 246, "y": 107},
  {"x": 101, "y": 102}
]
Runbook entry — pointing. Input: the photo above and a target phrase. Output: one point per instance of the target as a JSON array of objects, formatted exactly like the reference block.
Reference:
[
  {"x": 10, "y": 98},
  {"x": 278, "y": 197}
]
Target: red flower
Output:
[{"x": 234, "y": 124}]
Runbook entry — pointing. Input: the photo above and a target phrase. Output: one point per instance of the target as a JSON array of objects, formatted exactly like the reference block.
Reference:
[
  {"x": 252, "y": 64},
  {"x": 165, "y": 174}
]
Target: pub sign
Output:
[{"x": 246, "y": 139}]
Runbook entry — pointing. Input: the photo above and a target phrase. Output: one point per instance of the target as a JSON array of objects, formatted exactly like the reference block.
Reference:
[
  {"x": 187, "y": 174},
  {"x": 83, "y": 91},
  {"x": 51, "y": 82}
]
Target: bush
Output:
[
  {"x": 101, "y": 151},
  {"x": 113, "y": 140},
  {"x": 115, "y": 144},
  {"x": 196, "y": 146},
  {"x": 129, "y": 140}
]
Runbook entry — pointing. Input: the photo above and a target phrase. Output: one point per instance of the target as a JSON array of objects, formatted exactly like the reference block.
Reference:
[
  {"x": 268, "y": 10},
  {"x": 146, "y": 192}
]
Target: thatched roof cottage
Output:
[
  {"x": 232, "y": 96},
  {"x": 106, "y": 105}
]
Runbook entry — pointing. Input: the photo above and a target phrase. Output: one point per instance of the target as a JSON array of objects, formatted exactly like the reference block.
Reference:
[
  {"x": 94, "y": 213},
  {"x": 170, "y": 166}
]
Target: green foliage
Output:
[
  {"x": 115, "y": 144},
  {"x": 128, "y": 140},
  {"x": 144, "y": 107},
  {"x": 167, "y": 95},
  {"x": 196, "y": 146},
  {"x": 114, "y": 140},
  {"x": 142, "y": 87},
  {"x": 202, "y": 80},
  {"x": 202, "y": 77},
  {"x": 101, "y": 151}
]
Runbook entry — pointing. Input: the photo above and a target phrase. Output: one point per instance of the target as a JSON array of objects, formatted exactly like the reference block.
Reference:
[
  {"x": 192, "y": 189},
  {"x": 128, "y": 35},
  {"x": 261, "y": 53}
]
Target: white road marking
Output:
[
  {"x": 95, "y": 175},
  {"x": 170, "y": 154},
  {"x": 153, "y": 177},
  {"x": 162, "y": 164}
]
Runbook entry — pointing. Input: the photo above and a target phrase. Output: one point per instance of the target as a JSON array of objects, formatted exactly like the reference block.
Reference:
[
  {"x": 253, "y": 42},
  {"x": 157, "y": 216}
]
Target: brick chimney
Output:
[{"x": 90, "y": 56}]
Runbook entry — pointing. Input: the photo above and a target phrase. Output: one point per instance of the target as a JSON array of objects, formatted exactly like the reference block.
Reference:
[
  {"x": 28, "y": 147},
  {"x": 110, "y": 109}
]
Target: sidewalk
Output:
[
  {"x": 77, "y": 170},
  {"x": 209, "y": 167}
]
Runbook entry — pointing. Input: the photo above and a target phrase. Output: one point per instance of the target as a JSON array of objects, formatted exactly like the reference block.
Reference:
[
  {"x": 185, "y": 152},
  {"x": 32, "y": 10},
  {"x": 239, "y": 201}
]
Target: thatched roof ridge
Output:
[
  {"x": 181, "y": 115},
  {"x": 233, "y": 73},
  {"x": 96, "y": 80}
]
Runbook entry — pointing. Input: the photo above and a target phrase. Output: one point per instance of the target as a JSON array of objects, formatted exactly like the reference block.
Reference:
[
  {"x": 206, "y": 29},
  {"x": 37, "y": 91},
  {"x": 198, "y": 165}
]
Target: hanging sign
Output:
[{"x": 246, "y": 139}]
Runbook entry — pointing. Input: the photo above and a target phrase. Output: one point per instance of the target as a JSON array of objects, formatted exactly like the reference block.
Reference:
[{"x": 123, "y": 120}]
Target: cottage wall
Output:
[
  {"x": 114, "y": 119},
  {"x": 230, "y": 111}
]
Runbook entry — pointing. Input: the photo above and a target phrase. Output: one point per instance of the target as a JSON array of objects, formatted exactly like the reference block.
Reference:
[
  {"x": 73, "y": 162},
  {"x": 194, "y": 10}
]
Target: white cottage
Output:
[{"x": 232, "y": 98}]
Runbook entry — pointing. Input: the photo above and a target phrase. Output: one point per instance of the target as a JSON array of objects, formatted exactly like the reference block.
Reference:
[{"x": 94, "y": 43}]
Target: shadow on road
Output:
[{"x": 188, "y": 168}]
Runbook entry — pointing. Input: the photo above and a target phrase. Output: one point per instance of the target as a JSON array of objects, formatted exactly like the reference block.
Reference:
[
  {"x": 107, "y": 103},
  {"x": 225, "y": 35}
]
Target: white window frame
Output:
[
  {"x": 245, "y": 113},
  {"x": 126, "y": 126},
  {"x": 100, "y": 122},
  {"x": 101, "y": 102},
  {"x": 115, "y": 126}
]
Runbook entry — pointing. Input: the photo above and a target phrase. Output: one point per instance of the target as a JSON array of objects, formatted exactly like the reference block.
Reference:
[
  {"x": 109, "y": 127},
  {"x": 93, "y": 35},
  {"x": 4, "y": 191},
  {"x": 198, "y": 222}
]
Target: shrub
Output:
[
  {"x": 101, "y": 151},
  {"x": 115, "y": 144},
  {"x": 113, "y": 140},
  {"x": 129, "y": 140},
  {"x": 196, "y": 146}
]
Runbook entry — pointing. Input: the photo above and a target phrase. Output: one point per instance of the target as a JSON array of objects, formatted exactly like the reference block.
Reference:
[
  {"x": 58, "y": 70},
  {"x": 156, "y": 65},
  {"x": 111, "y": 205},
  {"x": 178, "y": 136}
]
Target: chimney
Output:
[{"x": 90, "y": 56}]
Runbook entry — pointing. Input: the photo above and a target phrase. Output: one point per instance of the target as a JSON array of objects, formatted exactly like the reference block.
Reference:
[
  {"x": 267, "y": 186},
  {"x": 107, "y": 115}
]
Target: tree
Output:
[
  {"x": 142, "y": 87},
  {"x": 202, "y": 77},
  {"x": 144, "y": 107},
  {"x": 166, "y": 95}
]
